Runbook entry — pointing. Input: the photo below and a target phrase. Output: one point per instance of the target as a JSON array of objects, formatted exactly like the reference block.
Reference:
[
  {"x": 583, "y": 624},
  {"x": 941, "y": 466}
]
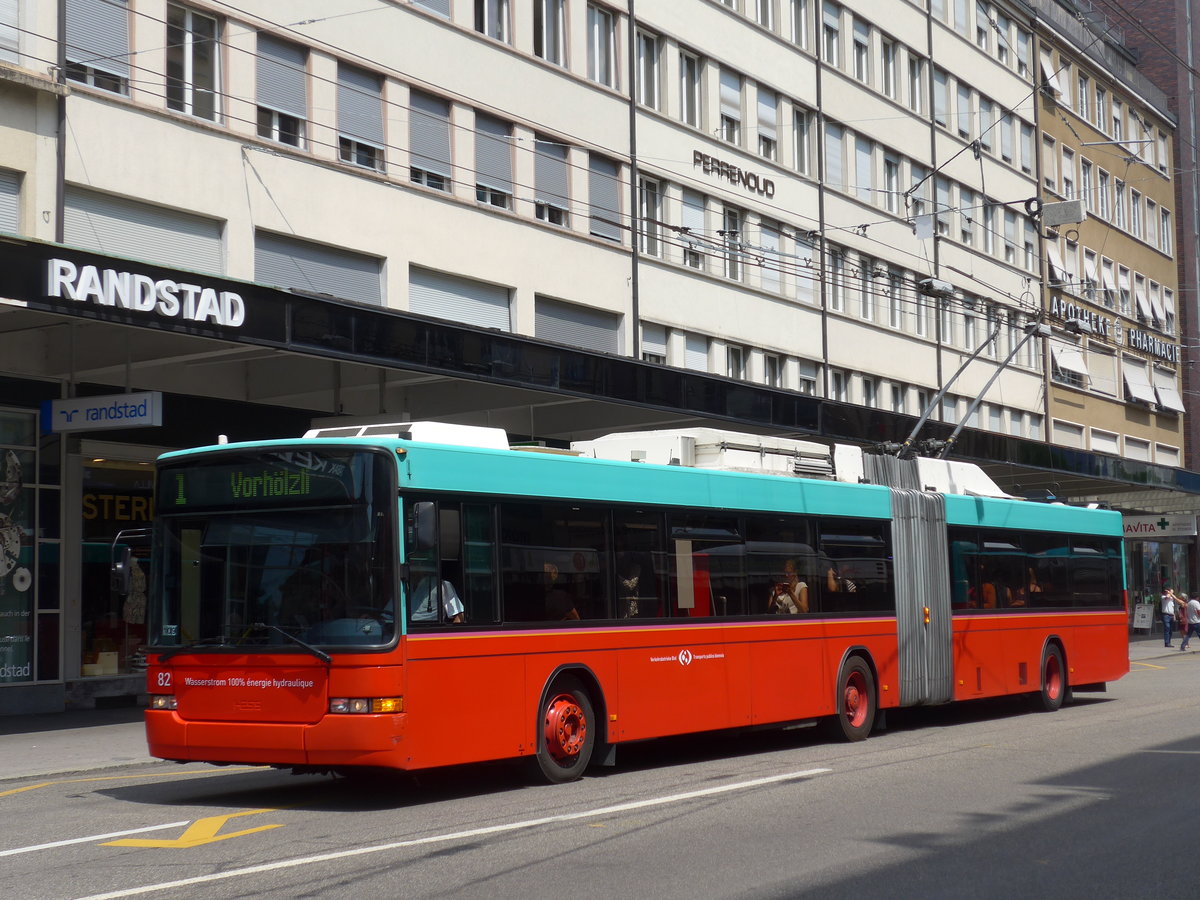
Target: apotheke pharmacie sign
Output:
[{"x": 166, "y": 297}]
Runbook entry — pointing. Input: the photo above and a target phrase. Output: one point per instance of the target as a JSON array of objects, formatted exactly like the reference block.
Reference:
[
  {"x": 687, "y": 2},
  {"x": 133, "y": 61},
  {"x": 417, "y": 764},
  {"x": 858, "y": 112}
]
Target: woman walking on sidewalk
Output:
[{"x": 1193, "y": 621}]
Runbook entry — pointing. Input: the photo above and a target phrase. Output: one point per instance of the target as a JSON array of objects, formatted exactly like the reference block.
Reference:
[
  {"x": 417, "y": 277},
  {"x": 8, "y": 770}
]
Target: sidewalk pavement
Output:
[{"x": 88, "y": 740}]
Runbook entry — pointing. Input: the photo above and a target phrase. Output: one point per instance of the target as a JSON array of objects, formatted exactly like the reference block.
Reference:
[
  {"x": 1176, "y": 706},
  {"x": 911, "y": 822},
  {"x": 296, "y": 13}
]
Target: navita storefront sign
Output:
[
  {"x": 139, "y": 410},
  {"x": 1157, "y": 528},
  {"x": 165, "y": 297}
]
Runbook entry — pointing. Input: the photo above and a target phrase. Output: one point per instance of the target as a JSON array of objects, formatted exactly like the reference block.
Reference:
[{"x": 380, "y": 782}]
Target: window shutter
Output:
[
  {"x": 493, "y": 154},
  {"x": 360, "y": 104},
  {"x": 10, "y": 193},
  {"x": 695, "y": 352},
  {"x": 441, "y": 7},
  {"x": 316, "y": 268},
  {"x": 550, "y": 173},
  {"x": 654, "y": 339},
  {"x": 154, "y": 234},
  {"x": 98, "y": 35},
  {"x": 281, "y": 76},
  {"x": 578, "y": 326},
  {"x": 767, "y": 123},
  {"x": 604, "y": 198},
  {"x": 458, "y": 299},
  {"x": 731, "y": 94},
  {"x": 429, "y": 133},
  {"x": 8, "y": 30}
]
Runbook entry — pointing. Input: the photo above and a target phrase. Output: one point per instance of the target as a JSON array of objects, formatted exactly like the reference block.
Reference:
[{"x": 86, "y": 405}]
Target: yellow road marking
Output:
[
  {"x": 202, "y": 831},
  {"x": 1147, "y": 665},
  {"x": 42, "y": 784}
]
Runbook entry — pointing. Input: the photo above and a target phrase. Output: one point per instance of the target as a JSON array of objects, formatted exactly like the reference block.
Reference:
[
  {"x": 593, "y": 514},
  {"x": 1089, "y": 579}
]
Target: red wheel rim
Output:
[
  {"x": 854, "y": 699},
  {"x": 1053, "y": 677},
  {"x": 566, "y": 728}
]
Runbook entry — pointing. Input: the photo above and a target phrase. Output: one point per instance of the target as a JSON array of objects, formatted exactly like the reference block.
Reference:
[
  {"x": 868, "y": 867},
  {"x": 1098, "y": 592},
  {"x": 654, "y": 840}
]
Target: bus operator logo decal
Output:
[{"x": 686, "y": 657}]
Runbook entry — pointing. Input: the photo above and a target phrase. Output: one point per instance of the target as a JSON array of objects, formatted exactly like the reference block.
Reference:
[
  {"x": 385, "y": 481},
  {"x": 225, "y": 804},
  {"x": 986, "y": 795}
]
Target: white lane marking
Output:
[
  {"x": 459, "y": 835},
  {"x": 94, "y": 837}
]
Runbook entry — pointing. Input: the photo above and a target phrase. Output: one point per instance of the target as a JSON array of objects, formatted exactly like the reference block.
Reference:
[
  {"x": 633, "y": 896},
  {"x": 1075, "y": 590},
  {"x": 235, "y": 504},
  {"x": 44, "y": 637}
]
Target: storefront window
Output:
[
  {"x": 117, "y": 498},
  {"x": 18, "y": 503}
]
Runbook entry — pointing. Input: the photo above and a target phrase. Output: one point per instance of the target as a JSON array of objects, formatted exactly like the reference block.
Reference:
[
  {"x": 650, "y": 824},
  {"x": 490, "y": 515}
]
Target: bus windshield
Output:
[{"x": 280, "y": 571}]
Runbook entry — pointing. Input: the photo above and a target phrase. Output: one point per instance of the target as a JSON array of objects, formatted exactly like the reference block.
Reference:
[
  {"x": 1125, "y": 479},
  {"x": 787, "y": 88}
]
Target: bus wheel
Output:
[
  {"x": 1054, "y": 679},
  {"x": 566, "y": 732},
  {"x": 855, "y": 700}
]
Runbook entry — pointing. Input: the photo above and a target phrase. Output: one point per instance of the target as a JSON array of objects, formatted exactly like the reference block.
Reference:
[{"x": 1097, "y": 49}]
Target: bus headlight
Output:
[
  {"x": 353, "y": 705},
  {"x": 163, "y": 701}
]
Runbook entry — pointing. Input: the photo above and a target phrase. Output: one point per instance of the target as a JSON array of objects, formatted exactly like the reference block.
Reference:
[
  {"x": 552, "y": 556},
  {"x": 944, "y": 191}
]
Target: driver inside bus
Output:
[{"x": 423, "y": 603}]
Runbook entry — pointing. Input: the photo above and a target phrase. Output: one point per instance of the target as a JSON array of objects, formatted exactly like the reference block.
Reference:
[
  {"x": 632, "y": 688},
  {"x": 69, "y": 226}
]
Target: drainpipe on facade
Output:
[
  {"x": 819, "y": 244},
  {"x": 634, "y": 204},
  {"x": 60, "y": 132}
]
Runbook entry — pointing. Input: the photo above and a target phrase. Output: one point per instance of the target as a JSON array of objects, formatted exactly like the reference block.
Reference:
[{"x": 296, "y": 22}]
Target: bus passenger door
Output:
[{"x": 922, "y": 573}]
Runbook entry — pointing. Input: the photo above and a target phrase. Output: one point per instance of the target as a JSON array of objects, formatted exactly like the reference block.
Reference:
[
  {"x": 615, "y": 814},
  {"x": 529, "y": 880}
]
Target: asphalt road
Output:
[{"x": 979, "y": 800}]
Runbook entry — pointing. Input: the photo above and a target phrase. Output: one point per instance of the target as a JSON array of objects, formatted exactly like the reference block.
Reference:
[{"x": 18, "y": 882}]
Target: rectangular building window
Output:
[
  {"x": 282, "y": 93},
  {"x": 834, "y": 169},
  {"x": 492, "y": 19},
  {"x": 576, "y": 326},
  {"x": 864, "y": 169},
  {"x": 768, "y": 138},
  {"x": 802, "y": 121},
  {"x": 887, "y": 68},
  {"x": 602, "y": 31},
  {"x": 650, "y": 214},
  {"x": 768, "y": 239},
  {"x": 97, "y": 47},
  {"x": 862, "y": 50},
  {"x": 831, "y": 33},
  {"x": 360, "y": 117},
  {"x": 690, "y": 89},
  {"x": 287, "y": 262},
  {"x": 604, "y": 198},
  {"x": 193, "y": 86},
  {"x": 800, "y": 23},
  {"x": 429, "y": 141},
  {"x": 648, "y": 70},
  {"x": 550, "y": 182},
  {"x": 731, "y": 238},
  {"x": 493, "y": 161},
  {"x": 731, "y": 106},
  {"x": 693, "y": 237},
  {"x": 549, "y": 31}
]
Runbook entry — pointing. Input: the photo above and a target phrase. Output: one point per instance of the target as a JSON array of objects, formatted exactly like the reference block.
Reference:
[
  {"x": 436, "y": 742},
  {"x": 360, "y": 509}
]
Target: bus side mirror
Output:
[
  {"x": 122, "y": 563},
  {"x": 424, "y": 526}
]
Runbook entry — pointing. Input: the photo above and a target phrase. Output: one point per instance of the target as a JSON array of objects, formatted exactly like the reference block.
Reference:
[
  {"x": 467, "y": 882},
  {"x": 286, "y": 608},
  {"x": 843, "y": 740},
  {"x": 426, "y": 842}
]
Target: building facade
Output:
[{"x": 559, "y": 217}]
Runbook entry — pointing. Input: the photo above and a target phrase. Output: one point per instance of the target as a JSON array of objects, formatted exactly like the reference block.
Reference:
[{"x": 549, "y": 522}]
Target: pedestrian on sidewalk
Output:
[
  {"x": 1193, "y": 621},
  {"x": 1168, "y": 614}
]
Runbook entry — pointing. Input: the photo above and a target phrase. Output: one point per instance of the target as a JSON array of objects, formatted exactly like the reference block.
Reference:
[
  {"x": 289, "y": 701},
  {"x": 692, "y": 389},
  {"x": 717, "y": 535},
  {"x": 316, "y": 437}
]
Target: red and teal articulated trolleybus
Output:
[{"x": 421, "y": 595}]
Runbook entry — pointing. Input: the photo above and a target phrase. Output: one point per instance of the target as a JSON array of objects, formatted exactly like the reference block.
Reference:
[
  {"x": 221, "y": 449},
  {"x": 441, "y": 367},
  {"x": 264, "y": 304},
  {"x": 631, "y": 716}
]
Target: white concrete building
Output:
[{"x": 820, "y": 205}]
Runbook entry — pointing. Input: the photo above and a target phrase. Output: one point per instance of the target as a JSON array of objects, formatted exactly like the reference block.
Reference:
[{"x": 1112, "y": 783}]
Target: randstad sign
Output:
[
  {"x": 133, "y": 291},
  {"x": 140, "y": 410}
]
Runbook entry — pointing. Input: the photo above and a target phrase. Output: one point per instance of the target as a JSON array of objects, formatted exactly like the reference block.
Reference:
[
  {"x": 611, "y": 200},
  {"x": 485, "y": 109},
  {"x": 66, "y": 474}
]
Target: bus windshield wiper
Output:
[
  {"x": 164, "y": 655},
  {"x": 315, "y": 651}
]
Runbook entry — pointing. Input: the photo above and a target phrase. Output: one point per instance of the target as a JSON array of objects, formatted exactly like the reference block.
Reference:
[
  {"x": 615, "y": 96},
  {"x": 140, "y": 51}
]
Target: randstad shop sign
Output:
[
  {"x": 165, "y": 297},
  {"x": 140, "y": 410}
]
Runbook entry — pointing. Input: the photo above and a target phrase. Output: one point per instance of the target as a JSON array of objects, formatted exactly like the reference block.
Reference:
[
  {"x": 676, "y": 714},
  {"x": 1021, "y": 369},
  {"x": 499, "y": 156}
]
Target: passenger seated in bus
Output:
[
  {"x": 790, "y": 596},
  {"x": 835, "y": 582},
  {"x": 559, "y": 605},
  {"x": 423, "y": 604}
]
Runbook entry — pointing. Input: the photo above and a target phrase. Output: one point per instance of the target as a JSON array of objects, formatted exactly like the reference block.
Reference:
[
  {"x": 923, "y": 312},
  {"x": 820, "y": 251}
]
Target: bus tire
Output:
[
  {"x": 566, "y": 732},
  {"x": 1054, "y": 679},
  {"x": 855, "y": 701}
]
